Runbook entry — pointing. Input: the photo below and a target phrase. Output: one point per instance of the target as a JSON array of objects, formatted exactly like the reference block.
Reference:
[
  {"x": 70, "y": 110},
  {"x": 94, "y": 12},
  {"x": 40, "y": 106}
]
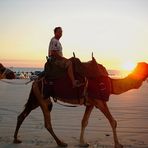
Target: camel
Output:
[
  {"x": 6, "y": 73},
  {"x": 119, "y": 86}
]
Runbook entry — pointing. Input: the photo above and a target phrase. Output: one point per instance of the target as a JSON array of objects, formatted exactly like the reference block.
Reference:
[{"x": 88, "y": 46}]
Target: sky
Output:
[{"x": 116, "y": 31}]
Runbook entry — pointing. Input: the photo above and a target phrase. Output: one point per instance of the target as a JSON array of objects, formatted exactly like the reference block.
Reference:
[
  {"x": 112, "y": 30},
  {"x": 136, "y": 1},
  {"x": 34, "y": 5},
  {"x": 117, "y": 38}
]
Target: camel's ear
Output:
[{"x": 74, "y": 55}]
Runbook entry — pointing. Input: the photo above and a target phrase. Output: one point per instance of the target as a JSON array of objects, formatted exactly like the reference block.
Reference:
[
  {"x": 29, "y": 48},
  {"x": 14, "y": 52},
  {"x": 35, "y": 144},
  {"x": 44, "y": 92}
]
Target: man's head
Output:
[{"x": 58, "y": 32}]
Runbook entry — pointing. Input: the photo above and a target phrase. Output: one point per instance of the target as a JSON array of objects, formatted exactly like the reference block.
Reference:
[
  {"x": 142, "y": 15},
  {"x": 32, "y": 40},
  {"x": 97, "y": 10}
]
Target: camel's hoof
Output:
[
  {"x": 83, "y": 145},
  {"x": 17, "y": 141},
  {"x": 119, "y": 146},
  {"x": 62, "y": 144}
]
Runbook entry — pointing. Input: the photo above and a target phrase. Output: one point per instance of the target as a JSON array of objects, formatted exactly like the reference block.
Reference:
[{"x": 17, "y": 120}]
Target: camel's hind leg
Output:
[
  {"x": 105, "y": 110},
  {"x": 31, "y": 104},
  {"x": 84, "y": 124},
  {"x": 47, "y": 118},
  {"x": 20, "y": 120}
]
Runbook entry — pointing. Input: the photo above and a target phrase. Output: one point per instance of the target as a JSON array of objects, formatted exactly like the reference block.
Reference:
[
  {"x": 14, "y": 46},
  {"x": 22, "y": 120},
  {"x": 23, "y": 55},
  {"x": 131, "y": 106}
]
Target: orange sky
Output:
[{"x": 116, "y": 31}]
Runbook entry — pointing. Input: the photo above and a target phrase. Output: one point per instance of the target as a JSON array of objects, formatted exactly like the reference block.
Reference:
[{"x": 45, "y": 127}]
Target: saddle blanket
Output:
[{"x": 99, "y": 88}]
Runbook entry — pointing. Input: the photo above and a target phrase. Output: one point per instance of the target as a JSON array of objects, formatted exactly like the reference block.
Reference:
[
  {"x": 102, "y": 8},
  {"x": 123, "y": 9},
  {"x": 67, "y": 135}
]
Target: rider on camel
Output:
[{"x": 55, "y": 49}]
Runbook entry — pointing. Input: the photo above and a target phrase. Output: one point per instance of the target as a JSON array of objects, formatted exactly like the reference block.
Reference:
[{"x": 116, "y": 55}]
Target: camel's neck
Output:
[{"x": 122, "y": 85}]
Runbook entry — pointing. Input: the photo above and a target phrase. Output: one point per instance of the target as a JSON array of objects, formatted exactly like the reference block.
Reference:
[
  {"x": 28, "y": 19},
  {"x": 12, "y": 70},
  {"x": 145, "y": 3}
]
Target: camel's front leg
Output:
[
  {"x": 47, "y": 119},
  {"x": 104, "y": 108},
  {"x": 84, "y": 124}
]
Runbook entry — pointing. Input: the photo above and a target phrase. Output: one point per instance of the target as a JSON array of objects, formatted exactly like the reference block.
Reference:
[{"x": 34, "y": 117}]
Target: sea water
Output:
[
  {"x": 25, "y": 69},
  {"x": 112, "y": 73}
]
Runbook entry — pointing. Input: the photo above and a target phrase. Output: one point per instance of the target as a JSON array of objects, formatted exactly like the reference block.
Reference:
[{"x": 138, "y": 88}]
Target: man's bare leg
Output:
[{"x": 75, "y": 83}]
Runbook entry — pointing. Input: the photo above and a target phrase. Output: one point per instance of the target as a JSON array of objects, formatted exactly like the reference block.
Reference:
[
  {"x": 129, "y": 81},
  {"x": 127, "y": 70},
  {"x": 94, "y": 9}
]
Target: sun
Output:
[{"x": 128, "y": 66}]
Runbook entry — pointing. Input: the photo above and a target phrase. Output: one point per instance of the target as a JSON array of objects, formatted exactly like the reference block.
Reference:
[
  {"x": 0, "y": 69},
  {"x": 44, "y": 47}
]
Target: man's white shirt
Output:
[{"x": 55, "y": 45}]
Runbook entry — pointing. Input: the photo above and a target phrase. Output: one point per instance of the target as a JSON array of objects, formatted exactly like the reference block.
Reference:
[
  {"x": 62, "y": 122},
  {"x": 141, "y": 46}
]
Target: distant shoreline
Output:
[
  {"x": 25, "y": 69},
  {"x": 111, "y": 72}
]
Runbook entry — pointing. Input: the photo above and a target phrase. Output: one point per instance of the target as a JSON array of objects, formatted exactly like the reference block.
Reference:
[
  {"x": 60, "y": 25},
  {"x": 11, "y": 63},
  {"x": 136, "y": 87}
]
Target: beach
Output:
[{"x": 130, "y": 109}]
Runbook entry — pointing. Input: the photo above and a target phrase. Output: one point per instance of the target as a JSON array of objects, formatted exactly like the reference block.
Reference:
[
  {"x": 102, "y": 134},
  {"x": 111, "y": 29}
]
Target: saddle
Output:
[
  {"x": 54, "y": 71},
  {"x": 57, "y": 83},
  {"x": 99, "y": 83}
]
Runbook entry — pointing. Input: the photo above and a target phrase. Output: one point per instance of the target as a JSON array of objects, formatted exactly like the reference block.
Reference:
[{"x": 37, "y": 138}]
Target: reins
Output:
[
  {"x": 15, "y": 83},
  {"x": 25, "y": 83}
]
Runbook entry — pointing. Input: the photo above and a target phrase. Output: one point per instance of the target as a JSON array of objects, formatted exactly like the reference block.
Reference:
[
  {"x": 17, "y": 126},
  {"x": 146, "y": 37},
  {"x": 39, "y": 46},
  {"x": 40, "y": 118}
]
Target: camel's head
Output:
[
  {"x": 141, "y": 71},
  {"x": 6, "y": 73}
]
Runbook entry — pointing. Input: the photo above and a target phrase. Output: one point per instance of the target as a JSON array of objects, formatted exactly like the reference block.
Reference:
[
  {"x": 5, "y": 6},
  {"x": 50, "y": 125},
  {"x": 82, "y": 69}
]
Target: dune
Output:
[{"x": 129, "y": 109}]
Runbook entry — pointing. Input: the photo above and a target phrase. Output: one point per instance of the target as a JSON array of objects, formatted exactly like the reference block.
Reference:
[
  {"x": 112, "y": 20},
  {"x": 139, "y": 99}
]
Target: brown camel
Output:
[
  {"x": 36, "y": 99},
  {"x": 6, "y": 73}
]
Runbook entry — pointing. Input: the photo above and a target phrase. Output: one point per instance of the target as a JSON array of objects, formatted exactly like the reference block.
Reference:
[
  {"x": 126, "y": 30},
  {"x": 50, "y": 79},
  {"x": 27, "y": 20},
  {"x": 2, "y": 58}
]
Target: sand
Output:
[{"x": 129, "y": 109}]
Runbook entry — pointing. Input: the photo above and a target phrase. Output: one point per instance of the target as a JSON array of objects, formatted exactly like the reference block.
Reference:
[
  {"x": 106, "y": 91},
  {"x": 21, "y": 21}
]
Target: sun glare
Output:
[{"x": 129, "y": 66}]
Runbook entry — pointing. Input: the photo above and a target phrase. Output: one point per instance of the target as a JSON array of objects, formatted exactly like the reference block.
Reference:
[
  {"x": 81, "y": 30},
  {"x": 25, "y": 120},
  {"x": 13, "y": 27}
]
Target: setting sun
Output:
[{"x": 129, "y": 66}]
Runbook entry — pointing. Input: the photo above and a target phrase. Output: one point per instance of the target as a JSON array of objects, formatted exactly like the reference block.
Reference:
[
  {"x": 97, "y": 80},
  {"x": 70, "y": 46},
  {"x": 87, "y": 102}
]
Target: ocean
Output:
[
  {"x": 112, "y": 73},
  {"x": 25, "y": 69}
]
